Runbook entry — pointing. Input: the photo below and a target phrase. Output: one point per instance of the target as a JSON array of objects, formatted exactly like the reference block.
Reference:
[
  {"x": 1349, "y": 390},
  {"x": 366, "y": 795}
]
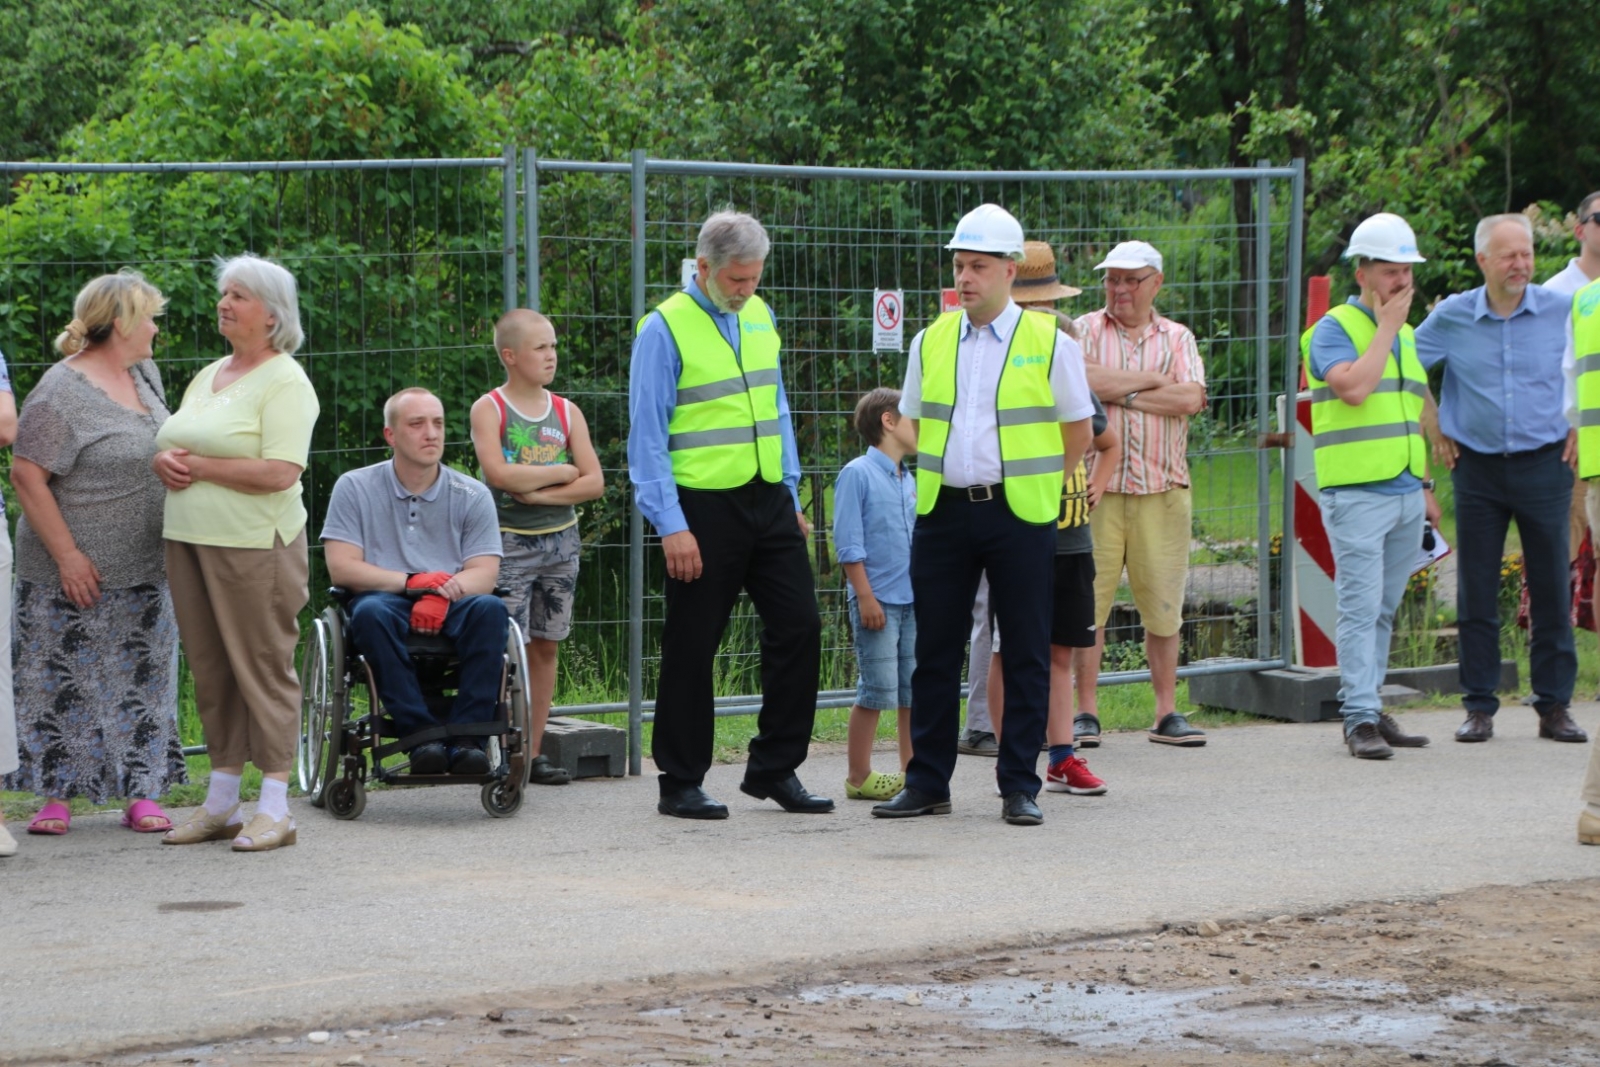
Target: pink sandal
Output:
[
  {"x": 55, "y": 811},
  {"x": 141, "y": 810}
]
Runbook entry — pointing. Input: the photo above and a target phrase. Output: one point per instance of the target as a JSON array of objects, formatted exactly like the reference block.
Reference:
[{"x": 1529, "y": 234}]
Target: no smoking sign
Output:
[{"x": 888, "y": 320}]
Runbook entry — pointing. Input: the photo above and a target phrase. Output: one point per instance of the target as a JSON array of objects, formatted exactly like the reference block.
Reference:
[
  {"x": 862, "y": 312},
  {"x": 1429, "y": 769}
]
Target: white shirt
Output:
[
  {"x": 1570, "y": 280},
  {"x": 972, "y": 451}
]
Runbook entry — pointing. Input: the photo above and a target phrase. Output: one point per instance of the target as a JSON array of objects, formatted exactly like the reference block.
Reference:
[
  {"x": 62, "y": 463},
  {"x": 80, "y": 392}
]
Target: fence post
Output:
[
  {"x": 530, "y": 222},
  {"x": 1263, "y": 412},
  {"x": 636, "y": 517},
  {"x": 1291, "y": 387},
  {"x": 508, "y": 255}
]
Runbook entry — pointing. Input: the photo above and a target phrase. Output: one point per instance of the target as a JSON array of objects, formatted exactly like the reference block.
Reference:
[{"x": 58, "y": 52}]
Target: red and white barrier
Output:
[{"x": 1316, "y": 615}]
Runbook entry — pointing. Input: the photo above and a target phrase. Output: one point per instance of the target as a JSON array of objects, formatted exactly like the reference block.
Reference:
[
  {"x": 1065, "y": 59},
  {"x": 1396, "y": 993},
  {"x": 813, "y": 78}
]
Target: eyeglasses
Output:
[
  {"x": 1590, "y": 218},
  {"x": 1129, "y": 283}
]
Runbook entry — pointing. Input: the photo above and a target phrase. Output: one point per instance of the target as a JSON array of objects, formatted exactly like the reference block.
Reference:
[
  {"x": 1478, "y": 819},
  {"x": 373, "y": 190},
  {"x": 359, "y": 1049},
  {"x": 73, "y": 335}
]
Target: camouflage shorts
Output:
[{"x": 540, "y": 572}]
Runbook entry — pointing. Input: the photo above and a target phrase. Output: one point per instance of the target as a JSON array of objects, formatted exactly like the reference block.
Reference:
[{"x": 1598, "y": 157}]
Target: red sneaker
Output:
[{"x": 1072, "y": 775}]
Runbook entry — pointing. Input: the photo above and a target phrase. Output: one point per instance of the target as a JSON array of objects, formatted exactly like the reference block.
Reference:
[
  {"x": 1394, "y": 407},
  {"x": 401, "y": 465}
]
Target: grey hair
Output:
[
  {"x": 1480, "y": 239},
  {"x": 732, "y": 235},
  {"x": 273, "y": 286}
]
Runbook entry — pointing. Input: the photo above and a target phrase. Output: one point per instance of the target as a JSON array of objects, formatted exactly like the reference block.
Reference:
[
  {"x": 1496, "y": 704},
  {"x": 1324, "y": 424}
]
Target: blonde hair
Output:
[
  {"x": 391, "y": 407},
  {"x": 110, "y": 302},
  {"x": 514, "y": 326}
]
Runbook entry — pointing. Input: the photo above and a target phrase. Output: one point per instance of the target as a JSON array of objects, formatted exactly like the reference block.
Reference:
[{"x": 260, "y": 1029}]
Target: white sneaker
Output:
[{"x": 8, "y": 844}]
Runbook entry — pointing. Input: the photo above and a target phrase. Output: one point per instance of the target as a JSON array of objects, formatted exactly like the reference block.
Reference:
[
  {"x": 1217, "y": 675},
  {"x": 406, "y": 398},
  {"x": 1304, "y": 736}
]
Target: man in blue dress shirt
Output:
[
  {"x": 1503, "y": 432},
  {"x": 712, "y": 457}
]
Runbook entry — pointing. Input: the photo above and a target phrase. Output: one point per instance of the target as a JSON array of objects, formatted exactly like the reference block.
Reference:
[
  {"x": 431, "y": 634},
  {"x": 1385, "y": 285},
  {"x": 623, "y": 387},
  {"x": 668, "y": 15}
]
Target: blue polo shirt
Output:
[
  {"x": 1504, "y": 389},
  {"x": 874, "y": 510}
]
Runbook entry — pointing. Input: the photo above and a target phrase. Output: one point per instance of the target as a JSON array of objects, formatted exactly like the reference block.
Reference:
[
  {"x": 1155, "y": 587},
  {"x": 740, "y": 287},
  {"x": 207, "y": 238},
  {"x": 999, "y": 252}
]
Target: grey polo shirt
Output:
[{"x": 397, "y": 530}]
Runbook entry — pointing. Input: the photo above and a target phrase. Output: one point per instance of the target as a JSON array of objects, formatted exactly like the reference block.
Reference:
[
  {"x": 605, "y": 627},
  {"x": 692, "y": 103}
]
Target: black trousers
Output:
[
  {"x": 950, "y": 547},
  {"x": 1535, "y": 488},
  {"x": 749, "y": 539}
]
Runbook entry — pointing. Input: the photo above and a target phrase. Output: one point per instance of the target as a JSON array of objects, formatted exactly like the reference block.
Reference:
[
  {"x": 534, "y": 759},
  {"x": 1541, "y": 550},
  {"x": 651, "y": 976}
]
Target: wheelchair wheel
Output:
[
  {"x": 346, "y": 798},
  {"x": 520, "y": 710},
  {"x": 501, "y": 798},
  {"x": 321, "y": 706}
]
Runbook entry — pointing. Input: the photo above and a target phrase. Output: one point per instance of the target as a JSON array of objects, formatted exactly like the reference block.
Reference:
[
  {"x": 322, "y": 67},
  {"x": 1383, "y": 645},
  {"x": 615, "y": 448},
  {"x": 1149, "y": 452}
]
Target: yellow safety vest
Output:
[
  {"x": 1586, "y": 348},
  {"x": 1031, "y": 454},
  {"x": 725, "y": 428},
  {"x": 1381, "y": 437}
]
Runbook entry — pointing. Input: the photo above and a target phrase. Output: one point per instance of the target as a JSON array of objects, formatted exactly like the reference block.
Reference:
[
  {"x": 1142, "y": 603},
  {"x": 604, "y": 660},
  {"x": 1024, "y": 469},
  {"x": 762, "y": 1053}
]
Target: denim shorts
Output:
[
  {"x": 885, "y": 657},
  {"x": 540, "y": 575}
]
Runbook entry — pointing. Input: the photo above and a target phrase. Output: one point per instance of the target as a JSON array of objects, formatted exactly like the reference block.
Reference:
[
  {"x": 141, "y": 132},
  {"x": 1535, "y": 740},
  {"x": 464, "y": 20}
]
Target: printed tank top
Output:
[{"x": 533, "y": 442}]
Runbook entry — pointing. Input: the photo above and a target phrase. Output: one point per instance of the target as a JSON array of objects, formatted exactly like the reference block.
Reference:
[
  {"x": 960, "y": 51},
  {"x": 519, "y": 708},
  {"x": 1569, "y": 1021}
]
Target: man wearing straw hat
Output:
[
  {"x": 1147, "y": 370},
  {"x": 1002, "y": 410}
]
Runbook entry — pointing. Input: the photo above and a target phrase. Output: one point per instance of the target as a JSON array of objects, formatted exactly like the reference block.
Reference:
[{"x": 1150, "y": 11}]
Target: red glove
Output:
[
  {"x": 427, "y": 614},
  {"x": 428, "y": 580}
]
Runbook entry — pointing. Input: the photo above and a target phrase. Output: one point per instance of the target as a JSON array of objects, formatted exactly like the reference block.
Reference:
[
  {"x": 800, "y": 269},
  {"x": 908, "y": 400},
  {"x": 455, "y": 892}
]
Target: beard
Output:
[{"x": 724, "y": 303}]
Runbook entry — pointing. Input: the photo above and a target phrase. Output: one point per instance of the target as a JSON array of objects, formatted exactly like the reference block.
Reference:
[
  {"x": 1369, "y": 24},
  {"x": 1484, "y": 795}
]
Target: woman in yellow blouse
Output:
[{"x": 231, "y": 458}]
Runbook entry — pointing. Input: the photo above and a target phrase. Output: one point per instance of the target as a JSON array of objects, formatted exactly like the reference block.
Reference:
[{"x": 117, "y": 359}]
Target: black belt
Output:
[
  {"x": 973, "y": 494},
  {"x": 1541, "y": 450}
]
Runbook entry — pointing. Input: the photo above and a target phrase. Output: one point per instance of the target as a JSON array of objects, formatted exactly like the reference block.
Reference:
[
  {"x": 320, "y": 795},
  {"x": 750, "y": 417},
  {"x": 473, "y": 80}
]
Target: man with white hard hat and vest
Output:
[
  {"x": 711, "y": 453},
  {"x": 1368, "y": 393},
  {"x": 1586, "y": 353},
  {"x": 1504, "y": 433},
  {"x": 1147, "y": 370},
  {"x": 1002, "y": 410}
]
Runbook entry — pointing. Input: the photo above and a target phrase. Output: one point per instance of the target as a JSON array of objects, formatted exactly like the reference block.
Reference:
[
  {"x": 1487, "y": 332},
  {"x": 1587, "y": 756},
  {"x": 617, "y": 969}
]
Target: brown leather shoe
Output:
[
  {"x": 1478, "y": 727},
  {"x": 1556, "y": 724},
  {"x": 1366, "y": 743},
  {"x": 1391, "y": 732}
]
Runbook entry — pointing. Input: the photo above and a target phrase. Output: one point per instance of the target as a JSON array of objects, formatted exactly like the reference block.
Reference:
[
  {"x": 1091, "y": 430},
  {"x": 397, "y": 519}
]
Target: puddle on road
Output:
[{"x": 1118, "y": 1015}]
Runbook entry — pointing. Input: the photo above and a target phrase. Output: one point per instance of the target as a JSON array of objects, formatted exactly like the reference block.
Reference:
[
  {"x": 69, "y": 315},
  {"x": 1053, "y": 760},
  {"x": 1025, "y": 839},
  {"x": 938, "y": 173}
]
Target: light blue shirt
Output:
[
  {"x": 1331, "y": 346},
  {"x": 874, "y": 510},
  {"x": 1504, "y": 388},
  {"x": 652, "y": 396}
]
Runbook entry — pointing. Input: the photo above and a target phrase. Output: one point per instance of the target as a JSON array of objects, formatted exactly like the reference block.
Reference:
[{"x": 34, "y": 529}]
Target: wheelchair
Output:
[{"x": 340, "y": 751}]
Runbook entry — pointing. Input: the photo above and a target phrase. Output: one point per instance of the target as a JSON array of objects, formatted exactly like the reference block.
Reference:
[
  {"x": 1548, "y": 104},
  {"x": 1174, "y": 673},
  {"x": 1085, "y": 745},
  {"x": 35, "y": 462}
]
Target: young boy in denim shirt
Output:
[{"x": 874, "y": 510}]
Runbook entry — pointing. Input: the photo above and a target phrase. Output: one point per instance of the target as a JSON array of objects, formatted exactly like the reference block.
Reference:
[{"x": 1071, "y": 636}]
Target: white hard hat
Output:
[
  {"x": 1384, "y": 237},
  {"x": 988, "y": 228},
  {"x": 1131, "y": 255}
]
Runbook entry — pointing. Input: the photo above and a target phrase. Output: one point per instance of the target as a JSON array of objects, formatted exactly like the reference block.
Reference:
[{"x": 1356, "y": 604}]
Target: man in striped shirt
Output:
[{"x": 1146, "y": 369}]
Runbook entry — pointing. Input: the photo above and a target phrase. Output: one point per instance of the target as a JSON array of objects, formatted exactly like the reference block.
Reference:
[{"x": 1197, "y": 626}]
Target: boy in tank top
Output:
[{"x": 534, "y": 449}]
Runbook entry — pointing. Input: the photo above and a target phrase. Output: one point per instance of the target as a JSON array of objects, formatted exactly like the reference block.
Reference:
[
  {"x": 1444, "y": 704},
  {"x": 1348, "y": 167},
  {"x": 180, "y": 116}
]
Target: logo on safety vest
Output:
[
  {"x": 1026, "y": 361},
  {"x": 1588, "y": 299}
]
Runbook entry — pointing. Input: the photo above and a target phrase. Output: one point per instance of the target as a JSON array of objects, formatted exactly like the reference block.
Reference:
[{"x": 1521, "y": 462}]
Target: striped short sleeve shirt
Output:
[{"x": 1154, "y": 447}]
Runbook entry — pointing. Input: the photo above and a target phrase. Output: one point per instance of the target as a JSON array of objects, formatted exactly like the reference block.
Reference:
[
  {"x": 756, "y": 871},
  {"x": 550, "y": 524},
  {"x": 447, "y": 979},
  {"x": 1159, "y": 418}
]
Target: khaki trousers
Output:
[{"x": 238, "y": 614}]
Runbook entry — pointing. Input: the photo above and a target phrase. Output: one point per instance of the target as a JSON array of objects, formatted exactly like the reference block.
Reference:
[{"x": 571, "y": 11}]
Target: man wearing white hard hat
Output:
[
  {"x": 1002, "y": 412},
  {"x": 1503, "y": 432},
  {"x": 1147, "y": 370},
  {"x": 1368, "y": 394}
]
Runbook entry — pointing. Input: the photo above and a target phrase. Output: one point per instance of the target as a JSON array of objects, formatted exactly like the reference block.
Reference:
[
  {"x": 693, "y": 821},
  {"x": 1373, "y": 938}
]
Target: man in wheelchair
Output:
[{"x": 418, "y": 544}]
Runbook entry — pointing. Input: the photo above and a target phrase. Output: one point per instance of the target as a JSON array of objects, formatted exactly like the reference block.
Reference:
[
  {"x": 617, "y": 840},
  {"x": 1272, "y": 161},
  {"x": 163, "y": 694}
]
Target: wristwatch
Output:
[
  {"x": 1127, "y": 401},
  {"x": 1427, "y": 483}
]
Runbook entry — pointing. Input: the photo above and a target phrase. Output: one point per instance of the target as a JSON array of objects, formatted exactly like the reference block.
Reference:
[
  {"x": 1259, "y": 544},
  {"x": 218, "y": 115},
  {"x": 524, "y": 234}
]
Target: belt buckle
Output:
[{"x": 974, "y": 491}]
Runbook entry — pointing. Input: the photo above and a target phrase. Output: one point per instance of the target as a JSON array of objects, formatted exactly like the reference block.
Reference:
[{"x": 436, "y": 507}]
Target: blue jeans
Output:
[
  {"x": 1376, "y": 541},
  {"x": 379, "y": 624},
  {"x": 1535, "y": 488},
  {"x": 885, "y": 658}
]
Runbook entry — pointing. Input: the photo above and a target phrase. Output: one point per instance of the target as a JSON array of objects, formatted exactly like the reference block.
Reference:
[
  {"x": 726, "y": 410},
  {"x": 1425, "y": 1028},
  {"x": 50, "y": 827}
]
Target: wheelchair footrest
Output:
[{"x": 433, "y": 733}]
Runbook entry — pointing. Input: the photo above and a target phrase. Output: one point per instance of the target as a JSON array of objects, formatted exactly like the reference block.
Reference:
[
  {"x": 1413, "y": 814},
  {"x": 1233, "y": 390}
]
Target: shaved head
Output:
[{"x": 515, "y": 327}]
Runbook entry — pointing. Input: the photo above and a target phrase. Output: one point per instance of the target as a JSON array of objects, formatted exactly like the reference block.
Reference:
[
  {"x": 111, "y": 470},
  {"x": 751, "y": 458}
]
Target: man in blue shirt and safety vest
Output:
[
  {"x": 1002, "y": 409},
  {"x": 1368, "y": 393},
  {"x": 712, "y": 457},
  {"x": 1503, "y": 432}
]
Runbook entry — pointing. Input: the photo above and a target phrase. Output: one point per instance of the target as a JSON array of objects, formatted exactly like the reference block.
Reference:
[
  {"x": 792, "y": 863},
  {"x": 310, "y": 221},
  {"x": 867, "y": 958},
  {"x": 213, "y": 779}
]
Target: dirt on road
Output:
[{"x": 1496, "y": 976}]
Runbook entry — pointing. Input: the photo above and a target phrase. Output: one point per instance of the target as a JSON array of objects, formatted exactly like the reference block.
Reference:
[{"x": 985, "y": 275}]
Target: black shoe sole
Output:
[{"x": 939, "y": 808}]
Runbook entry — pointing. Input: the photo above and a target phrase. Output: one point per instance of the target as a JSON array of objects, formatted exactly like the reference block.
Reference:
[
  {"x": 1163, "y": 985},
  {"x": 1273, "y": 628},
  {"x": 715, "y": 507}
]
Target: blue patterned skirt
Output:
[{"x": 97, "y": 694}]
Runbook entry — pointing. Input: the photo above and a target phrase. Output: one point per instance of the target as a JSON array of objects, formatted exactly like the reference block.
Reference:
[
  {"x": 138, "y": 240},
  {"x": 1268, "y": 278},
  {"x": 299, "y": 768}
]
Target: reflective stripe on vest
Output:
[
  {"x": 1586, "y": 347},
  {"x": 1381, "y": 437},
  {"x": 1031, "y": 453},
  {"x": 724, "y": 429}
]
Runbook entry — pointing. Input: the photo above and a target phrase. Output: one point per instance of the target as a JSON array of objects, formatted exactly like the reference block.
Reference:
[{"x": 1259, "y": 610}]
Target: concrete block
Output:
[
  {"x": 1311, "y": 694},
  {"x": 586, "y": 749}
]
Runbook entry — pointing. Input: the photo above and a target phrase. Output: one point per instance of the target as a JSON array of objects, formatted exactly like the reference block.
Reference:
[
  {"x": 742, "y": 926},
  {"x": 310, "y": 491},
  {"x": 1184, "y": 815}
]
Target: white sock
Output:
[
  {"x": 274, "y": 800},
  {"x": 222, "y": 793}
]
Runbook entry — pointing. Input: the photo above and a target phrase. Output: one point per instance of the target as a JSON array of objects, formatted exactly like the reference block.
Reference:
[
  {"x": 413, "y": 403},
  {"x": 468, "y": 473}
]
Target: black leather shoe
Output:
[
  {"x": 1366, "y": 743},
  {"x": 469, "y": 759},
  {"x": 1478, "y": 727},
  {"x": 789, "y": 793},
  {"x": 1392, "y": 732},
  {"x": 1018, "y": 809},
  {"x": 542, "y": 772},
  {"x": 430, "y": 758},
  {"x": 691, "y": 802},
  {"x": 1555, "y": 724},
  {"x": 909, "y": 802}
]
